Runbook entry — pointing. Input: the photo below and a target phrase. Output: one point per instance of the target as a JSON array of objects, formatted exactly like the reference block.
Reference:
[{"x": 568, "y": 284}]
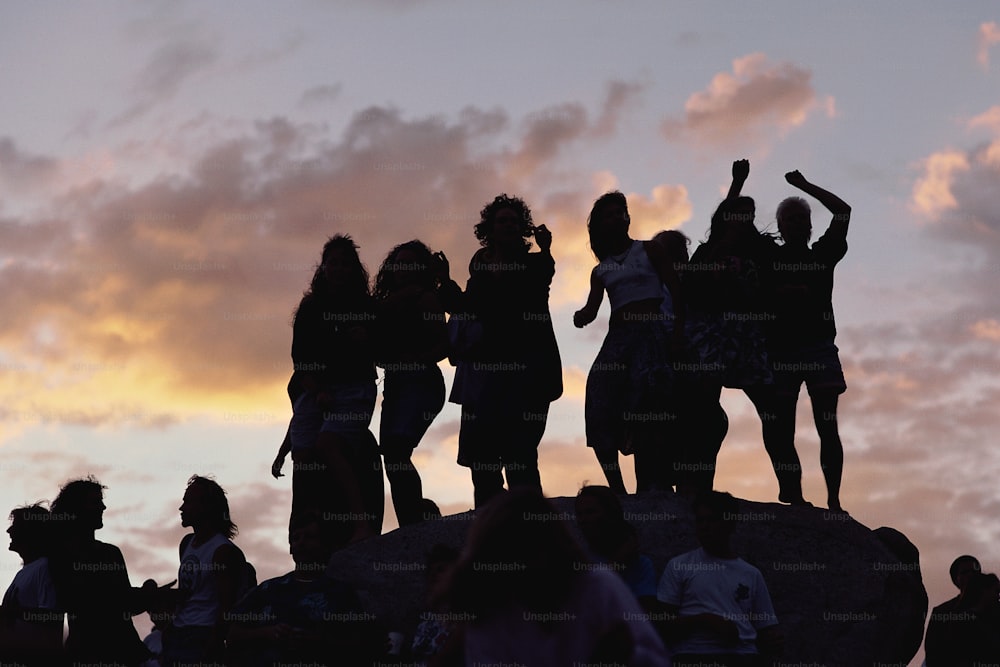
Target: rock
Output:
[{"x": 845, "y": 595}]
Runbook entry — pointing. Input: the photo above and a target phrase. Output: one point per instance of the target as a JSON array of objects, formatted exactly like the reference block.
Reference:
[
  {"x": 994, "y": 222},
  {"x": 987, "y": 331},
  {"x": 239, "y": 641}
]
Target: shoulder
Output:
[
  {"x": 107, "y": 551},
  {"x": 227, "y": 552}
]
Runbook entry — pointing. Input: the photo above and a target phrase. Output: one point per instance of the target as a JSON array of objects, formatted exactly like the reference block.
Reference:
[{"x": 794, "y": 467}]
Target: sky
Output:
[{"x": 170, "y": 170}]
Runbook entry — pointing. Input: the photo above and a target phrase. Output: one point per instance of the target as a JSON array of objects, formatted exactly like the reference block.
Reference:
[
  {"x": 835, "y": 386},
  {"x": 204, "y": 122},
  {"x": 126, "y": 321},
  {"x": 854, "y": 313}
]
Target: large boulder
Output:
[{"x": 845, "y": 595}]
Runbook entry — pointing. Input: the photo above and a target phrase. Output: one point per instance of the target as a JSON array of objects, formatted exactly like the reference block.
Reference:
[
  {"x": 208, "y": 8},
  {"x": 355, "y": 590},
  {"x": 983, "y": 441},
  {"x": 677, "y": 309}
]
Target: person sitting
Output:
[
  {"x": 304, "y": 617},
  {"x": 31, "y": 621},
  {"x": 718, "y": 610}
]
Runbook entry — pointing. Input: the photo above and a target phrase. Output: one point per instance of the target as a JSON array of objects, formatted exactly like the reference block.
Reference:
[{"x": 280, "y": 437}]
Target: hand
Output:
[
  {"x": 543, "y": 237},
  {"x": 796, "y": 178},
  {"x": 582, "y": 318},
  {"x": 741, "y": 170},
  {"x": 279, "y": 461},
  {"x": 442, "y": 270}
]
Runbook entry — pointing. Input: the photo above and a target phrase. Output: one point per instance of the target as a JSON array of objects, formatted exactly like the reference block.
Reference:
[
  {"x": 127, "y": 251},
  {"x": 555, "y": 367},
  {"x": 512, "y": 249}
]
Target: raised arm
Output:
[
  {"x": 741, "y": 170},
  {"x": 840, "y": 209}
]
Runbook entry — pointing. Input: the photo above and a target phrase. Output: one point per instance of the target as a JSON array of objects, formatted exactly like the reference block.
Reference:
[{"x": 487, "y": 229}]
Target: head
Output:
[
  {"x": 205, "y": 507},
  {"x": 597, "y": 506},
  {"x": 310, "y": 540},
  {"x": 715, "y": 517},
  {"x": 410, "y": 263},
  {"x": 794, "y": 221},
  {"x": 29, "y": 532},
  {"x": 607, "y": 221},
  {"x": 505, "y": 221},
  {"x": 340, "y": 270},
  {"x": 962, "y": 568},
  {"x": 735, "y": 215},
  {"x": 981, "y": 591},
  {"x": 518, "y": 549},
  {"x": 675, "y": 245},
  {"x": 80, "y": 504}
]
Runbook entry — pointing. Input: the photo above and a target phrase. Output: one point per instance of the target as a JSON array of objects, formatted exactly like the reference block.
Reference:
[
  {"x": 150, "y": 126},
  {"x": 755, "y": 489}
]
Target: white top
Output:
[
  {"x": 698, "y": 583},
  {"x": 199, "y": 603},
  {"x": 629, "y": 277}
]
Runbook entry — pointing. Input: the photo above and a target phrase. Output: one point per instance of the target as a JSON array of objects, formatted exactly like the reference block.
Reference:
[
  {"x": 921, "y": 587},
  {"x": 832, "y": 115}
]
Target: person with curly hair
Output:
[
  {"x": 412, "y": 338},
  {"x": 508, "y": 366}
]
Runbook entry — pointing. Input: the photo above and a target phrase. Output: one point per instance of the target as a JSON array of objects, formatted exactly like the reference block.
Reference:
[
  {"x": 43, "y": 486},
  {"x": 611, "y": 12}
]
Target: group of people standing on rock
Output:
[{"x": 745, "y": 311}]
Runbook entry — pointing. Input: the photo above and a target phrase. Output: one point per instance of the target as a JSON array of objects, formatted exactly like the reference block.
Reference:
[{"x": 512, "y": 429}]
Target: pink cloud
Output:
[
  {"x": 743, "y": 104},
  {"x": 989, "y": 34}
]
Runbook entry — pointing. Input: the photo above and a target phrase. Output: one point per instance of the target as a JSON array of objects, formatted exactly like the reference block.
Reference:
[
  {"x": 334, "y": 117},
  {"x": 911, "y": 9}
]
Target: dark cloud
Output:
[{"x": 320, "y": 95}]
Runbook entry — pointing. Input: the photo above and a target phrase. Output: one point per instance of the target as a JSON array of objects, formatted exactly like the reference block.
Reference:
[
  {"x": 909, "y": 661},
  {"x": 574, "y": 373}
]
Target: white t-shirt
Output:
[
  {"x": 600, "y": 601},
  {"x": 699, "y": 583}
]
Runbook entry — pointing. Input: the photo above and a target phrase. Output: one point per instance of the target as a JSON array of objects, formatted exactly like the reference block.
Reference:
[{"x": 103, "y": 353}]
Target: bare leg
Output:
[
  {"x": 831, "y": 450},
  {"x": 332, "y": 451},
  {"x": 608, "y": 459},
  {"x": 777, "y": 419}
]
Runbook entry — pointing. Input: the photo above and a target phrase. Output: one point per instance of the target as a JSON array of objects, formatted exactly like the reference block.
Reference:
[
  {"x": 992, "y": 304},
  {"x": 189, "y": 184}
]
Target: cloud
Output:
[
  {"x": 620, "y": 94},
  {"x": 148, "y": 302},
  {"x": 743, "y": 105},
  {"x": 955, "y": 189},
  {"x": 164, "y": 72},
  {"x": 320, "y": 95},
  {"x": 989, "y": 34},
  {"x": 20, "y": 170}
]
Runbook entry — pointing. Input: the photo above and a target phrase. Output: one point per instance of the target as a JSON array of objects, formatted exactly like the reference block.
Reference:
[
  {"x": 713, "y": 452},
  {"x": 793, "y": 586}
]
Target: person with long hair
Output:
[
  {"x": 332, "y": 351},
  {"x": 92, "y": 582},
  {"x": 629, "y": 383},
  {"x": 728, "y": 283},
  {"x": 509, "y": 370},
  {"x": 413, "y": 338},
  {"x": 535, "y": 599},
  {"x": 211, "y": 577}
]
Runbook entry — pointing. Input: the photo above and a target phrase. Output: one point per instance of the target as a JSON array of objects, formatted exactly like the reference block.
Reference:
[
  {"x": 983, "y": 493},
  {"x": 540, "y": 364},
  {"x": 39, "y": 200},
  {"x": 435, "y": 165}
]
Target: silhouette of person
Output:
[
  {"x": 507, "y": 378},
  {"x": 332, "y": 349},
  {"x": 31, "y": 620},
  {"x": 92, "y": 582},
  {"x": 969, "y": 634},
  {"x": 727, "y": 283},
  {"x": 629, "y": 382},
  {"x": 942, "y": 634},
  {"x": 523, "y": 581},
  {"x": 613, "y": 541},
  {"x": 800, "y": 337},
  {"x": 413, "y": 338},
  {"x": 211, "y": 577},
  {"x": 720, "y": 609},
  {"x": 304, "y": 617}
]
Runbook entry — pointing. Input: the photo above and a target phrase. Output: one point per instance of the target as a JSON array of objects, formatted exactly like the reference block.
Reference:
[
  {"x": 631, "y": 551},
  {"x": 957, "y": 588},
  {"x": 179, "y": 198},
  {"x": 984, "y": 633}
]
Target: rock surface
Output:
[{"x": 845, "y": 595}]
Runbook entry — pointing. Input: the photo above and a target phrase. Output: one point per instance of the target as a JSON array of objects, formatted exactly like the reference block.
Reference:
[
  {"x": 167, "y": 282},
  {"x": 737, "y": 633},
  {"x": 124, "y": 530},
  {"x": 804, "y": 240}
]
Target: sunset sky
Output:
[{"x": 170, "y": 170}]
